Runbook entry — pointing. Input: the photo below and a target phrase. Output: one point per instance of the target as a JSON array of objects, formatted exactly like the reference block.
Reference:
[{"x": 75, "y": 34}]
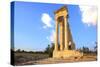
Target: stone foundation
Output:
[{"x": 66, "y": 54}]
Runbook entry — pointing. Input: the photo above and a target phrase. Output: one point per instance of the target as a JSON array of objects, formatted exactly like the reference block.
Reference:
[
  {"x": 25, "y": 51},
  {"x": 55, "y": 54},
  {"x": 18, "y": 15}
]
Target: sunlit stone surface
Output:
[{"x": 63, "y": 36}]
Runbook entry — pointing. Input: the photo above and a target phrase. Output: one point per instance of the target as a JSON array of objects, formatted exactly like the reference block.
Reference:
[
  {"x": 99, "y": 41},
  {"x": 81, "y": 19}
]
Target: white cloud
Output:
[
  {"x": 51, "y": 37},
  {"x": 48, "y": 23},
  {"x": 89, "y": 15},
  {"x": 46, "y": 19}
]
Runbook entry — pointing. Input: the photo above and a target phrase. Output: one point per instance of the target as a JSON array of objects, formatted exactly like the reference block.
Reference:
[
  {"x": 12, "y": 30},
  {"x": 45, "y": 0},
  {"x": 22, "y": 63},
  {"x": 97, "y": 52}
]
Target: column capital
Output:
[{"x": 66, "y": 16}]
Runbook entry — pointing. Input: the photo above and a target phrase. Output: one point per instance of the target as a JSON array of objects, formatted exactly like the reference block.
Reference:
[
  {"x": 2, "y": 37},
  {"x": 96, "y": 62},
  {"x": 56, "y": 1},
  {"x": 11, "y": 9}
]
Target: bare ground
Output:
[{"x": 61, "y": 60}]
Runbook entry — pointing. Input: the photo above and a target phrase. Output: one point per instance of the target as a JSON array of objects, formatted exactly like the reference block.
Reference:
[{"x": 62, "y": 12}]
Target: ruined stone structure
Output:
[{"x": 63, "y": 37}]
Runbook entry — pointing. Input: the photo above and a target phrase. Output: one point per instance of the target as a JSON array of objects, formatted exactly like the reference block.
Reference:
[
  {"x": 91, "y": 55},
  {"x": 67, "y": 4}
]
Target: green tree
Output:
[
  {"x": 95, "y": 47},
  {"x": 18, "y": 50},
  {"x": 23, "y": 51},
  {"x": 85, "y": 50},
  {"x": 49, "y": 49}
]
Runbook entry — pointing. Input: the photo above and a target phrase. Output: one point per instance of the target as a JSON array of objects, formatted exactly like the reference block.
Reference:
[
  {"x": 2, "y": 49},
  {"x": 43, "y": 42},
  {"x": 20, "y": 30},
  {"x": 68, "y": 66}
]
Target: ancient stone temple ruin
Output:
[{"x": 63, "y": 36}]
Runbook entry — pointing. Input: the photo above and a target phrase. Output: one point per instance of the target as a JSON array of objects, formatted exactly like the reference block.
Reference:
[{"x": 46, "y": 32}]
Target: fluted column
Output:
[
  {"x": 56, "y": 36},
  {"x": 66, "y": 32}
]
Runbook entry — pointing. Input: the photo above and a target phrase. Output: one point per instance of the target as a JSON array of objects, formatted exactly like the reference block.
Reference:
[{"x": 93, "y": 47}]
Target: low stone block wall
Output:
[{"x": 66, "y": 54}]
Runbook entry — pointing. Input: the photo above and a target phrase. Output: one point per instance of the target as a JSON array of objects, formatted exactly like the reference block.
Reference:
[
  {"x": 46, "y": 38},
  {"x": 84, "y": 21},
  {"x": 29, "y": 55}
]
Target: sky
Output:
[{"x": 34, "y": 25}]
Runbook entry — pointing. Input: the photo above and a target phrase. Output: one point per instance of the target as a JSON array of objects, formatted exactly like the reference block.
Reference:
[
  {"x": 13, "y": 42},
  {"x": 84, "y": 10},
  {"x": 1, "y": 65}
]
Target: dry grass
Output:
[
  {"x": 33, "y": 59},
  {"x": 21, "y": 58}
]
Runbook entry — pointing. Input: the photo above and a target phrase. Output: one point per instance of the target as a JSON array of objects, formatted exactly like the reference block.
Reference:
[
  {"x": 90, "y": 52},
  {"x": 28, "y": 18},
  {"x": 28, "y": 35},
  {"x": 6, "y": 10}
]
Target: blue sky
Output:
[{"x": 34, "y": 26}]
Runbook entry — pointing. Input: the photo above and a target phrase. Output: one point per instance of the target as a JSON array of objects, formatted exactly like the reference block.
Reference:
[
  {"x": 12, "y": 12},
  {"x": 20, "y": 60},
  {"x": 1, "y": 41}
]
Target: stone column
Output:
[
  {"x": 66, "y": 32},
  {"x": 61, "y": 35},
  {"x": 56, "y": 36}
]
